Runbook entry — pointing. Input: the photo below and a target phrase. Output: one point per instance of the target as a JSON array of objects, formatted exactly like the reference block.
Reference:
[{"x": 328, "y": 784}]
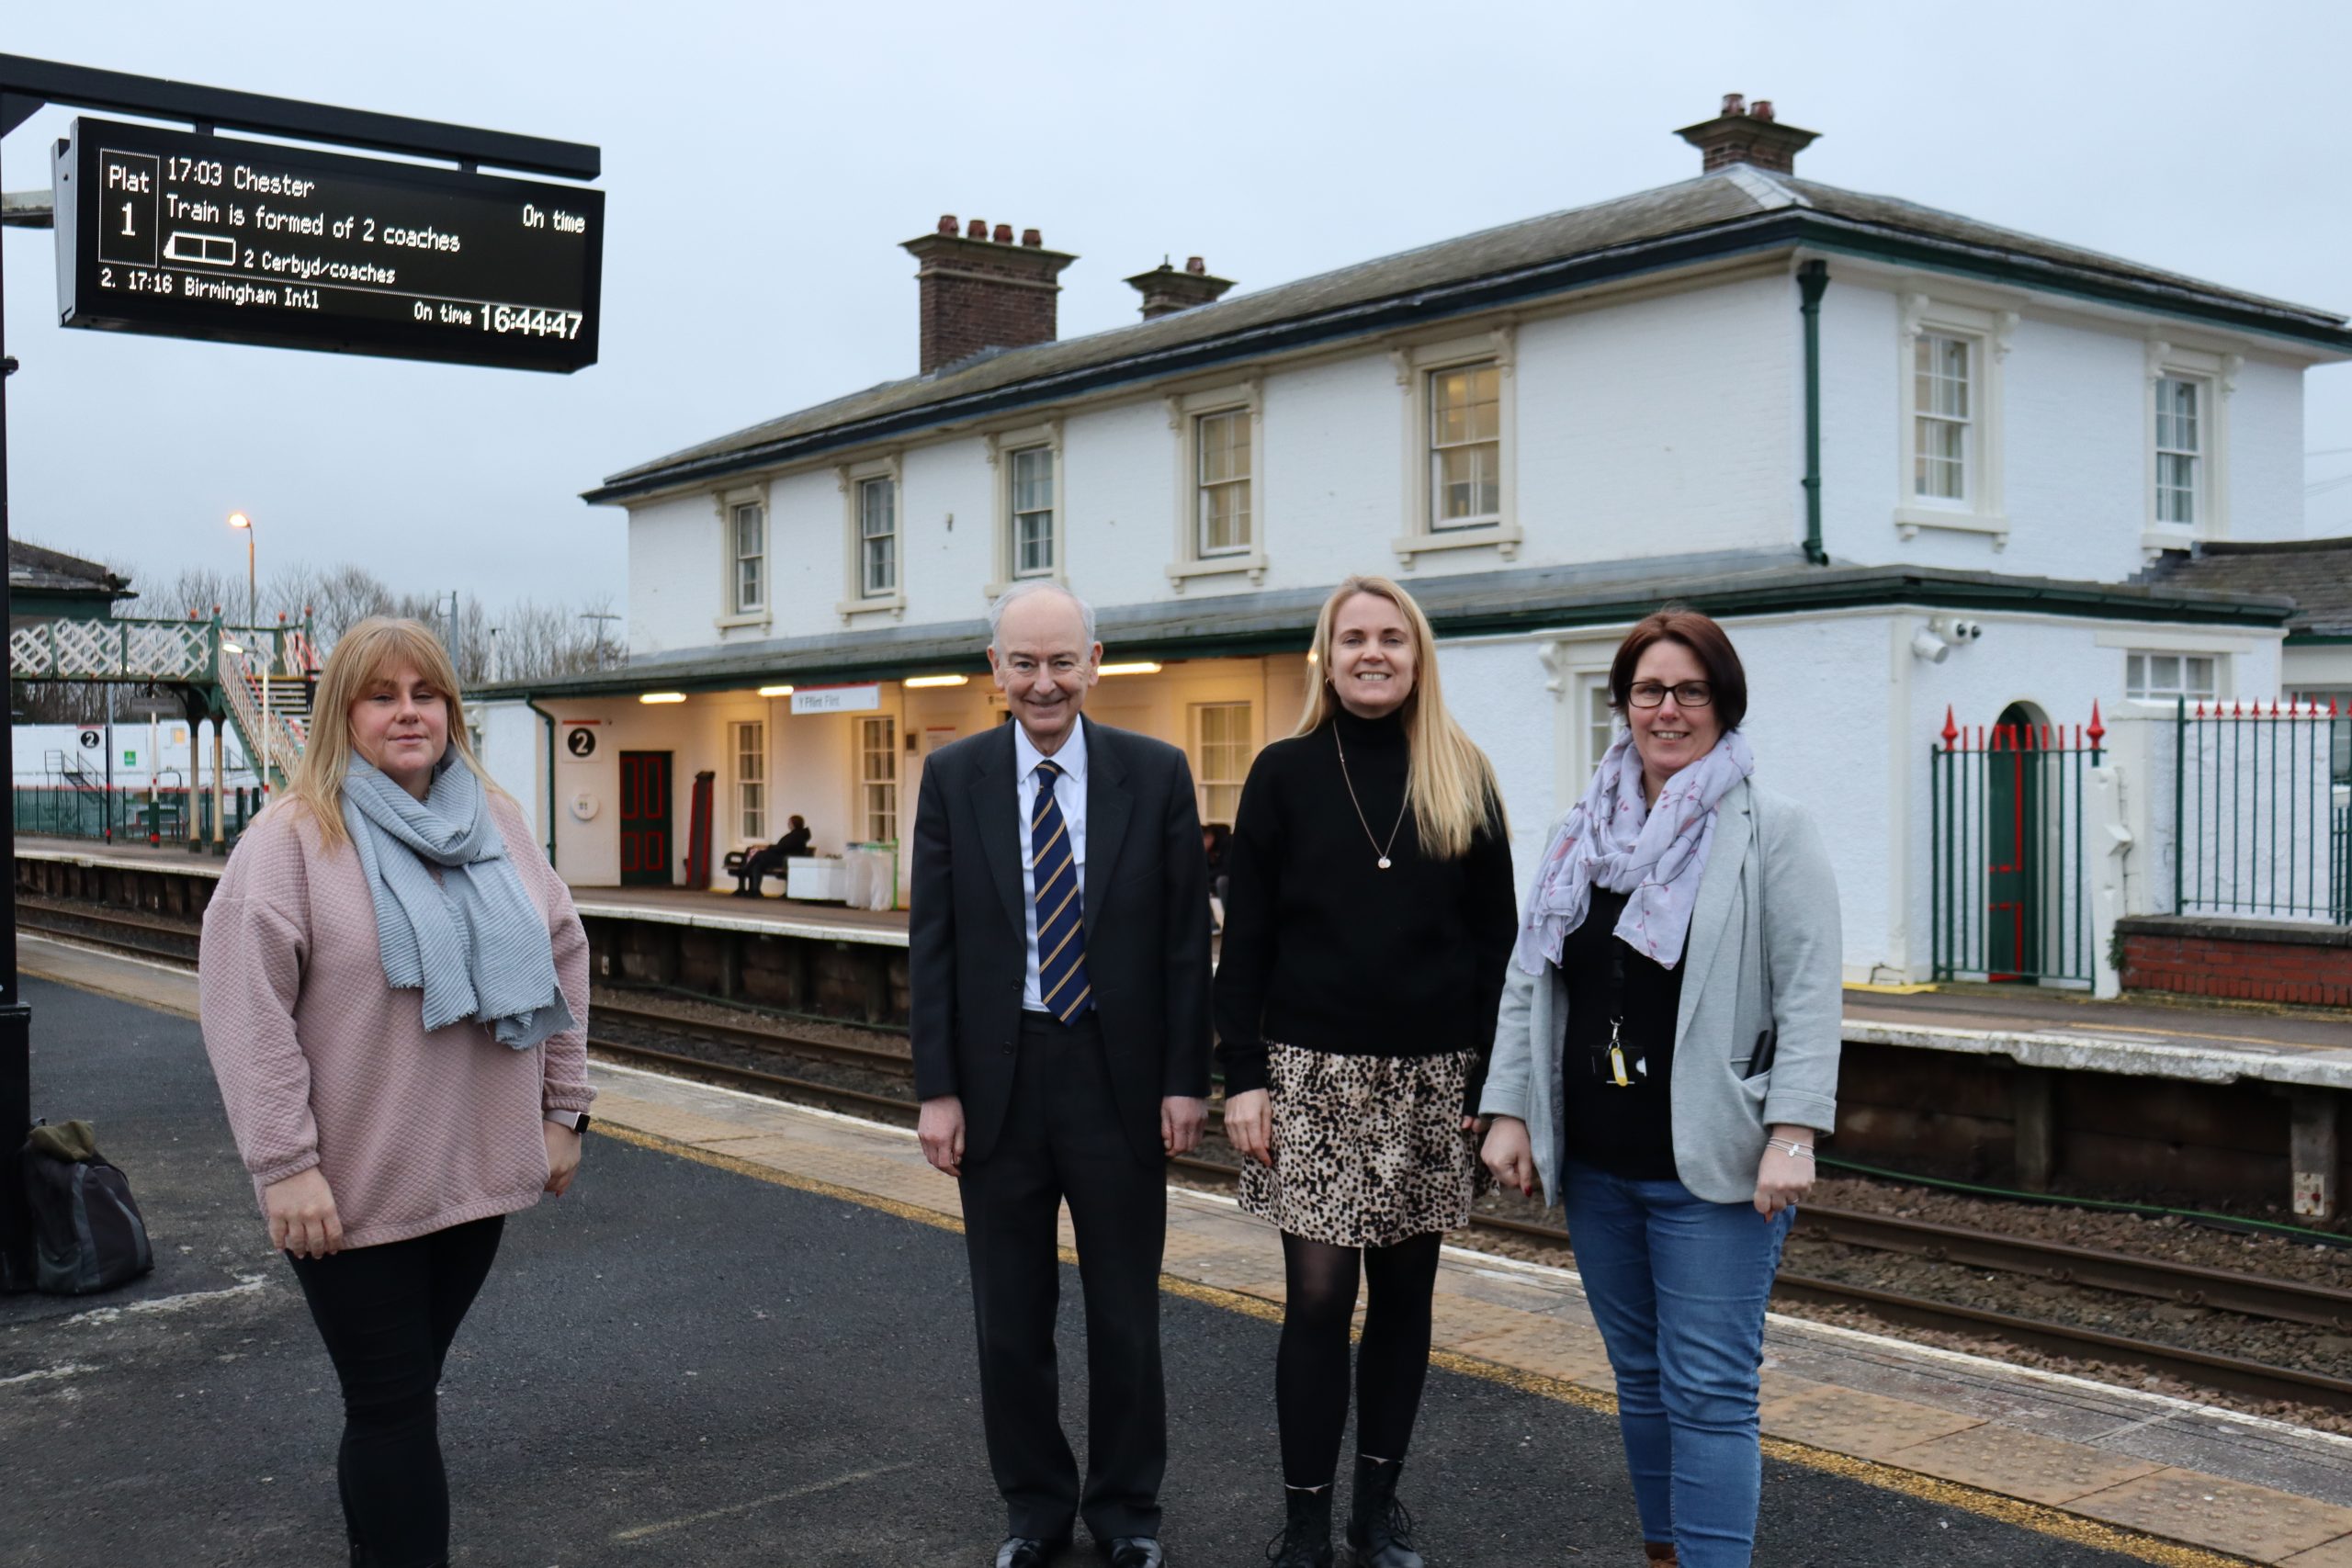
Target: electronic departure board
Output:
[{"x": 189, "y": 235}]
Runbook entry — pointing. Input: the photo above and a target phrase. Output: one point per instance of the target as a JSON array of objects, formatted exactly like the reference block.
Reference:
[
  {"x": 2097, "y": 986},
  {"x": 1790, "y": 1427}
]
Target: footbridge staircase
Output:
[{"x": 259, "y": 679}]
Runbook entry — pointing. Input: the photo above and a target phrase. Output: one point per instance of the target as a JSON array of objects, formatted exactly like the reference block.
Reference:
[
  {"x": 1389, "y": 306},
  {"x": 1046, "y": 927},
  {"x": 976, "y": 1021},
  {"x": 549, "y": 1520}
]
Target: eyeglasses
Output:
[{"x": 1689, "y": 694}]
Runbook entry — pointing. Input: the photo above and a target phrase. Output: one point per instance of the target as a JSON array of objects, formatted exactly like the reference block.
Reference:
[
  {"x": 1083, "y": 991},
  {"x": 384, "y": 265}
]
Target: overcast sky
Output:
[{"x": 763, "y": 161}]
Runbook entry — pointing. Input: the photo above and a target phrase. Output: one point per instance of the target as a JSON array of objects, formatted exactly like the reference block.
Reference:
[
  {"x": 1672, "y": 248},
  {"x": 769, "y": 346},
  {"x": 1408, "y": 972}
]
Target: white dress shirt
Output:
[{"x": 1070, "y": 792}]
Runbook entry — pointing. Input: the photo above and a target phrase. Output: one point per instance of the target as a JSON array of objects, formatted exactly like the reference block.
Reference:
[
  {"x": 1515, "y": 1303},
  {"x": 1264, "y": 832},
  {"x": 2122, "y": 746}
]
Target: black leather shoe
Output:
[
  {"x": 1025, "y": 1551},
  {"x": 1135, "y": 1551}
]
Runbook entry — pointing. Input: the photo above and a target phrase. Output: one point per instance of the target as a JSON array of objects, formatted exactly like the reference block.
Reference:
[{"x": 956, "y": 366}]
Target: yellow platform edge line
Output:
[{"x": 2038, "y": 1518}]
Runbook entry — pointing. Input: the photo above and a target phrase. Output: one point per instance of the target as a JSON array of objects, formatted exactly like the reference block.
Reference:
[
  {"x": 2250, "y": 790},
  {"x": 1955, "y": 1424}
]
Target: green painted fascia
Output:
[
  {"x": 1828, "y": 234},
  {"x": 1841, "y": 592},
  {"x": 2318, "y": 640}
]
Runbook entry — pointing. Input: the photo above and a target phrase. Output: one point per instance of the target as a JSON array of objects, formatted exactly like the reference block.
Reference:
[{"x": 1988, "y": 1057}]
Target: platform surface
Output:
[
  {"x": 2032, "y": 1026},
  {"x": 745, "y": 1338}
]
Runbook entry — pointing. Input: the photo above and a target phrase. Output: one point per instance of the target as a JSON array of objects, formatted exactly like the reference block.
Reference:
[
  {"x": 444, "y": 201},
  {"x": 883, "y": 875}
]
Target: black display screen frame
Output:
[{"x": 507, "y": 305}]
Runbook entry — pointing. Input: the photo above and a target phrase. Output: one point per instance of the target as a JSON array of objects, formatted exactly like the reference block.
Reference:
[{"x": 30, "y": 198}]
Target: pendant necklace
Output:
[{"x": 1395, "y": 829}]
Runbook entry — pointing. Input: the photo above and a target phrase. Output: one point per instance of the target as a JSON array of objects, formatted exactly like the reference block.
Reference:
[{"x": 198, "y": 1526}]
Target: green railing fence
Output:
[
  {"x": 2262, "y": 811},
  {"x": 128, "y": 816},
  {"x": 2007, "y": 873}
]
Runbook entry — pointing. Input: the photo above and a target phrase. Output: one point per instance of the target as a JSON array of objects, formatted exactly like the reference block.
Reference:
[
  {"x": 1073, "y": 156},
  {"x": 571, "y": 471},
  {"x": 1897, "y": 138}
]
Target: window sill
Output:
[
  {"x": 1909, "y": 520},
  {"x": 895, "y": 603},
  {"x": 2169, "y": 537},
  {"x": 1251, "y": 561},
  {"x": 1503, "y": 536},
  {"x": 748, "y": 619}
]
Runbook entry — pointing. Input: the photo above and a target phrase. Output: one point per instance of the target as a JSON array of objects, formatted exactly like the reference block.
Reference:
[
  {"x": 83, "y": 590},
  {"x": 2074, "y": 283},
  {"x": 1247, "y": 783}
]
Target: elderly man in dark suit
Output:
[{"x": 1060, "y": 973}]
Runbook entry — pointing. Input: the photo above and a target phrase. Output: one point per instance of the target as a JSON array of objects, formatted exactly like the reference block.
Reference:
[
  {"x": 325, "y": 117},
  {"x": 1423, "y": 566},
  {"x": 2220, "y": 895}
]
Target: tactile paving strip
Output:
[
  {"x": 2021, "y": 1465},
  {"x": 1849, "y": 1421},
  {"x": 2252, "y": 1522}
]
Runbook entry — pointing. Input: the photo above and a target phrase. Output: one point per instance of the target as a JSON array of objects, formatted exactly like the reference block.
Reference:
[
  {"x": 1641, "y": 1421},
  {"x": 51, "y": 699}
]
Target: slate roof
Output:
[
  {"x": 2315, "y": 573},
  {"x": 1725, "y": 212},
  {"x": 33, "y": 568},
  {"x": 1526, "y": 599}
]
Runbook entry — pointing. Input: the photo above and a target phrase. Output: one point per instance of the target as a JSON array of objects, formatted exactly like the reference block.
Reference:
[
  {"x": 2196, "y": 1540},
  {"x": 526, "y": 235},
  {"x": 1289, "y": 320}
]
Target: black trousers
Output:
[
  {"x": 1061, "y": 1140},
  {"x": 388, "y": 1314}
]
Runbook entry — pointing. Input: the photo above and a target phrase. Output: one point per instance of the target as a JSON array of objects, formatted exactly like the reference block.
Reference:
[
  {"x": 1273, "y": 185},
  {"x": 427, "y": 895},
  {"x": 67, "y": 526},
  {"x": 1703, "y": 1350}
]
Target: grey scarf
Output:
[{"x": 470, "y": 939}]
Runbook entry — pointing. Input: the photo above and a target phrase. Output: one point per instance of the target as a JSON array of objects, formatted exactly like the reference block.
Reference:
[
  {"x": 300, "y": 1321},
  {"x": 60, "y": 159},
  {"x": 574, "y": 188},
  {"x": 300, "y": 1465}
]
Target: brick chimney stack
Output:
[
  {"x": 1745, "y": 134},
  {"x": 1166, "y": 290},
  {"x": 981, "y": 291}
]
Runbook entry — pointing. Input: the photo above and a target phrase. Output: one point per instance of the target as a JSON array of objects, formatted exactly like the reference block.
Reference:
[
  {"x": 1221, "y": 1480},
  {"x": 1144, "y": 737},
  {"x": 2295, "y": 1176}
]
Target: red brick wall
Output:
[
  {"x": 980, "y": 293},
  {"x": 2238, "y": 960}
]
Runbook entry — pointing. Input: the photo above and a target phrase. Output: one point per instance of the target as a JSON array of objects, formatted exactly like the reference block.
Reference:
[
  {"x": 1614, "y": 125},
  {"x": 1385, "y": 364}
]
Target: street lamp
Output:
[{"x": 253, "y": 620}]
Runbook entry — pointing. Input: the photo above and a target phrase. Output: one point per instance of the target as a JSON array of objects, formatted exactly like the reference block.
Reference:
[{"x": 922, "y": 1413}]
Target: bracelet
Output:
[{"x": 1789, "y": 1147}]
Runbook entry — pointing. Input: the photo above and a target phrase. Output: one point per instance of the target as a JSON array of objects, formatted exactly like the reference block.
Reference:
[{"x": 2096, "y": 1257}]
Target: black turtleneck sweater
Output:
[{"x": 1326, "y": 951}]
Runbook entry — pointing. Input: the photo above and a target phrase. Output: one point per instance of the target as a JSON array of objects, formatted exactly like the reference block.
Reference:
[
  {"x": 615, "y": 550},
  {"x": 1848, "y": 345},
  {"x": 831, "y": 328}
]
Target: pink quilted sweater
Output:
[{"x": 322, "y": 1063}]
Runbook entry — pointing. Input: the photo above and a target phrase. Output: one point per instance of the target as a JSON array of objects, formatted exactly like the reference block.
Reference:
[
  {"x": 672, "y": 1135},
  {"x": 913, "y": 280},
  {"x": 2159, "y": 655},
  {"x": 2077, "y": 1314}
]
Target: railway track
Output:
[
  {"x": 2294, "y": 1301},
  {"x": 2280, "y": 1300}
]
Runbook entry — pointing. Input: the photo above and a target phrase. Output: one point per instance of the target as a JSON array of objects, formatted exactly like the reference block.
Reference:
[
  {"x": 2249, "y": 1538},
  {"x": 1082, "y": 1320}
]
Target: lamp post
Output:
[{"x": 253, "y": 622}]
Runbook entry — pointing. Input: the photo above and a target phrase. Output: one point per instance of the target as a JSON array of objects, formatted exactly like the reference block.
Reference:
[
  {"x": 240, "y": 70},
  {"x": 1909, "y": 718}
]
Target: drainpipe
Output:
[
  {"x": 1813, "y": 278},
  {"x": 531, "y": 702}
]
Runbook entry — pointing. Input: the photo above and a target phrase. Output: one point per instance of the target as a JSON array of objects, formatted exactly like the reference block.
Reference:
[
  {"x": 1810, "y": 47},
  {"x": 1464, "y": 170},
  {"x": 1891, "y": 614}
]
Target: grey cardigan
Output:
[{"x": 1767, "y": 891}]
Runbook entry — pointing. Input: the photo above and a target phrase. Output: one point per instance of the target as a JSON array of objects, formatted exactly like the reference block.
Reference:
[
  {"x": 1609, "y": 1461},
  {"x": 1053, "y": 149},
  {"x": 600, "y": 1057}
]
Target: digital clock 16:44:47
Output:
[{"x": 533, "y": 320}]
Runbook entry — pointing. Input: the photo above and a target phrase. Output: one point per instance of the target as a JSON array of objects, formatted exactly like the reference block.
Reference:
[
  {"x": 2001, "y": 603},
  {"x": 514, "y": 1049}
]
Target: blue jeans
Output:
[{"x": 1678, "y": 1286}]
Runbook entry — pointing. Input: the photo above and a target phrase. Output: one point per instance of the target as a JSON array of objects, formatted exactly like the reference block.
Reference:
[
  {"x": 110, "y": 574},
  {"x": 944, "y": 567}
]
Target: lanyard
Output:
[{"x": 1616, "y": 1075}]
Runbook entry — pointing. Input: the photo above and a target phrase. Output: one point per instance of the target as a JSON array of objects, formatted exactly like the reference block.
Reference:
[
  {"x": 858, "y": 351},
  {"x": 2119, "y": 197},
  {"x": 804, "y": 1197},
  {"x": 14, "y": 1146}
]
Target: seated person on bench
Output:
[{"x": 764, "y": 864}]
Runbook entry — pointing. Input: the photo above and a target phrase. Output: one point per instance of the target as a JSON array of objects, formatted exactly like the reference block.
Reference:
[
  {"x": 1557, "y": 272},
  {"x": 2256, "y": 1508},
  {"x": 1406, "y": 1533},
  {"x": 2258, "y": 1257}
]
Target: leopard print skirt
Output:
[{"x": 1368, "y": 1150}]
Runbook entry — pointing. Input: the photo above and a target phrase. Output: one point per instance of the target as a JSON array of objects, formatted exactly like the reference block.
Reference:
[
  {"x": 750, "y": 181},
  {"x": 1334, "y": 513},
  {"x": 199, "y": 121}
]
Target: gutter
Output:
[
  {"x": 531, "y": 701},
  {"x": 1744, "y": 236},
  {"x": 1789, "y": 592},
  {"x": 1812, "y": 280}
]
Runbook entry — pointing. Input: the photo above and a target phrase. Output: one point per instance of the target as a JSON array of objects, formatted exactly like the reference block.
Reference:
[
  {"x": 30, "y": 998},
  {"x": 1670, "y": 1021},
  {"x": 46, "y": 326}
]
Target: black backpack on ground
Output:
[{"x": 87, "y": 1233}]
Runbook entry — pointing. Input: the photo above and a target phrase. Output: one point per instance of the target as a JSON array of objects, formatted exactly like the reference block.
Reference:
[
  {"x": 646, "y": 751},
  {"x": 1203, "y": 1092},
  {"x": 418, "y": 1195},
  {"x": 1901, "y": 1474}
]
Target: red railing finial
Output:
[
  {"x": 1951, "y": 730},
  {"x": 2098, "y": 732}
]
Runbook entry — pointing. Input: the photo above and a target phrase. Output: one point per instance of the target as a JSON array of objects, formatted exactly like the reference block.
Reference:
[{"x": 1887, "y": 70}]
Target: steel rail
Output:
[{"x": 757, "y": 1038}]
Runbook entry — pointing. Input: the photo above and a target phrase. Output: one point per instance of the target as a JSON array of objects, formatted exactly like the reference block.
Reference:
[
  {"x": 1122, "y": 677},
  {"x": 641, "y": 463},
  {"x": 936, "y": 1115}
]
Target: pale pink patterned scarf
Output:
[{"x": 1658, "y": 855}]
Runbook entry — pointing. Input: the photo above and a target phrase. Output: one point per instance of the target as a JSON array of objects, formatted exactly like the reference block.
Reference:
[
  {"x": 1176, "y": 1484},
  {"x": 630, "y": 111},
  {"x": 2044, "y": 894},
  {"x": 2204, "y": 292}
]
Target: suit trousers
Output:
[{"x": 1061, "y": 1140}]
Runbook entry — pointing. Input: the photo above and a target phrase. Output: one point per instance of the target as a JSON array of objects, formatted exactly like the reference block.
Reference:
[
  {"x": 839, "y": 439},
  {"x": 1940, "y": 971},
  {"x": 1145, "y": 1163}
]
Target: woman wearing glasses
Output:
[{"x": 1667, "y": 1054}]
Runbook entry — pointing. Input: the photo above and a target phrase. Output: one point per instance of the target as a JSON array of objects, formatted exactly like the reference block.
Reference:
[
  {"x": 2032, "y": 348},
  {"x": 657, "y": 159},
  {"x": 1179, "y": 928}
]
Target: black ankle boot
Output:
[
  {"x": 1305, "y": 1540},
  {"x": 1379, "y": 1528}
]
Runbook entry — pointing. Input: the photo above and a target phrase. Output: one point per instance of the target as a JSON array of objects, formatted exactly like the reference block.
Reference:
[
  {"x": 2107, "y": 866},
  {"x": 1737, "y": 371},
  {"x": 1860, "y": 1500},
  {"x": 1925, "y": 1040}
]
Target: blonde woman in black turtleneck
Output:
[{"x": 1368, "y": 919}]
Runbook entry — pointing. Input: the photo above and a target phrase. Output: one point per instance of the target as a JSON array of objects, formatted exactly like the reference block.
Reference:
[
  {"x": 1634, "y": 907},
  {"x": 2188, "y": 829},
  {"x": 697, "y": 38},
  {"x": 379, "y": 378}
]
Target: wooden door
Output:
[{"x": 645, "y": 819}]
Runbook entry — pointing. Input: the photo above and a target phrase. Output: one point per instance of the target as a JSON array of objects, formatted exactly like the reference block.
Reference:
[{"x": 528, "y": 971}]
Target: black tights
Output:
[
  {"x": 1311, "y": 1369},
  {"x": 388, "y": 1314}
]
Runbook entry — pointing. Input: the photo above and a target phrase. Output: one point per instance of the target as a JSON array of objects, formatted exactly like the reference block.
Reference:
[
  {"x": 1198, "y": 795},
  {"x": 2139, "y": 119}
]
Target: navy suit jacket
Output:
[{"x": 1146, "y": 919}]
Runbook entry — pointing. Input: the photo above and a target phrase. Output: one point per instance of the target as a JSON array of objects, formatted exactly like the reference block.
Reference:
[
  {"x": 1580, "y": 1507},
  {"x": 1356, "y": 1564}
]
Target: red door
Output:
[{"x": 645, "y": 819}]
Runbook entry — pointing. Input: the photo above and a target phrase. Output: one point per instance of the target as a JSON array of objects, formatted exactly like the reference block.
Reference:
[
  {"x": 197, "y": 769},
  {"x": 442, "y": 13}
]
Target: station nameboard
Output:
[{"x": 189, "y": 235}]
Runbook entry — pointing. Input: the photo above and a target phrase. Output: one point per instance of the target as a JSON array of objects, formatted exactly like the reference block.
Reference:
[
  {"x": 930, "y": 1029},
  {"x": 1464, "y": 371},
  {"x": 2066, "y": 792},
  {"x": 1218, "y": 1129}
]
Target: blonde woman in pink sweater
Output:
[{"x": 394, "y": 991}]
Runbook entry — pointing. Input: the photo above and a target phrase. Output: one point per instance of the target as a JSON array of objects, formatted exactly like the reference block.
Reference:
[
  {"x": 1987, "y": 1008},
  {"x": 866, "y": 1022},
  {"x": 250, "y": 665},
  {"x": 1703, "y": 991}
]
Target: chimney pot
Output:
[
  {"x": 1166, "y": 290},
  {"x": 1742, "y": 135},
  {"x": 947, "y": 224},
  {"x": 975, "y": 299}
]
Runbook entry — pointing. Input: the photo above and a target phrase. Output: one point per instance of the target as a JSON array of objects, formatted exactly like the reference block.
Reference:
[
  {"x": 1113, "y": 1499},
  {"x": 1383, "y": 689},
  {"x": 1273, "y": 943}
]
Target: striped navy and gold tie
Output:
[{"x": 1061, "y": 944}]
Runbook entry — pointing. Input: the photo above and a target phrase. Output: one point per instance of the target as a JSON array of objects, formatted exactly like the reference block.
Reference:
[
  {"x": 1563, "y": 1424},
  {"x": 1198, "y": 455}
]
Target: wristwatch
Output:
[{"x": 579, "y": 1121}]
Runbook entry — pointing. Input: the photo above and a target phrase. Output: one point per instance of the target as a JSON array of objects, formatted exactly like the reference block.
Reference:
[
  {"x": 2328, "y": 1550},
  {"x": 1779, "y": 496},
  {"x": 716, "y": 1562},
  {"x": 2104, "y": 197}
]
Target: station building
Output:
[{"x": 1921, "y": 466}]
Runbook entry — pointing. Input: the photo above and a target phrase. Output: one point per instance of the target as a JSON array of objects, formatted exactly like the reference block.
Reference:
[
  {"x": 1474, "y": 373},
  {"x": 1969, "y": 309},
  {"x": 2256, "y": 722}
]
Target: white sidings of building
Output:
[{"x": 1543, "y": 432}]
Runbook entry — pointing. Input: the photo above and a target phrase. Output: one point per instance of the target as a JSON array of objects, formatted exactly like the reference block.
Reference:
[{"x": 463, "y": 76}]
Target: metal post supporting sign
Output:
[{"x": 194, "y": 234}]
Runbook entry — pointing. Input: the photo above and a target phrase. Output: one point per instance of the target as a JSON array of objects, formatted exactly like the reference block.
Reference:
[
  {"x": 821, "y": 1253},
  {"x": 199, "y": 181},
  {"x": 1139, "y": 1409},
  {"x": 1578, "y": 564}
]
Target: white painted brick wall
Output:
[{"x": 1661, "y": 426}]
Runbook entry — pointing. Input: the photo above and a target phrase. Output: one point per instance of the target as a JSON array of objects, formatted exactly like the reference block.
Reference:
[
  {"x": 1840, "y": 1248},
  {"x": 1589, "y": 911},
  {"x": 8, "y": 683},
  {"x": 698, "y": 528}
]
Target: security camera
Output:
[{"x": 1926, "y": 645}]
